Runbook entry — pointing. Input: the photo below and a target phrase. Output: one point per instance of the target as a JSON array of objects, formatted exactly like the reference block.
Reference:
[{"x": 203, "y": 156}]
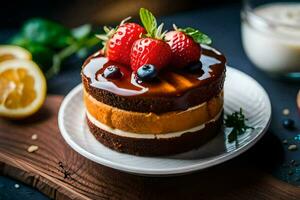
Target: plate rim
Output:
[{"x": 159, "y": 172}]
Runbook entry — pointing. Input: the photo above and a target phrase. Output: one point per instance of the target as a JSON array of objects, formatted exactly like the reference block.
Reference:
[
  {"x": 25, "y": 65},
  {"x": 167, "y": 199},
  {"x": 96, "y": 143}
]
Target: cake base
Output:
[{"x": 157, "y": 147}]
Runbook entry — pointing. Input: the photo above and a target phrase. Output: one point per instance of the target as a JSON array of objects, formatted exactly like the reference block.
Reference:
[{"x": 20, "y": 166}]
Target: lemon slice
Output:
[
  {"x": 22, "y": 88},
  {"x": 10, "y": 52}
]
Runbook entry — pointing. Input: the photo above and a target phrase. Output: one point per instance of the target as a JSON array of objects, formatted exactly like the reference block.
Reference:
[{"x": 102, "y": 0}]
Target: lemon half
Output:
[
  {"x": 10, "y": 52},
  {"x": 22, "y": 88}
]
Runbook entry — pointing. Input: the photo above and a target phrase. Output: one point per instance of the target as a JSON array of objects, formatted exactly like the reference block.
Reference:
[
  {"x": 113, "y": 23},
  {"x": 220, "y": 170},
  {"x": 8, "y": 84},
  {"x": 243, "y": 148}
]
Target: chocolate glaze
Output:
[{"x": 174, "y": 90}]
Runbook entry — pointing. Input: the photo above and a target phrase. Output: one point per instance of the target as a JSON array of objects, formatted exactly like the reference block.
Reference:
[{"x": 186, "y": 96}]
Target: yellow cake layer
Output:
[{"x": 151, "y": 123}]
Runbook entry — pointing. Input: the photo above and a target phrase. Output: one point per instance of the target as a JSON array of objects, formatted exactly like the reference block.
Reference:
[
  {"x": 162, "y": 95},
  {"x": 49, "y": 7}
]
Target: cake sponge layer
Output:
[
  {"x": 157, "y": 146},
  {"x": 151, "y": 123}
]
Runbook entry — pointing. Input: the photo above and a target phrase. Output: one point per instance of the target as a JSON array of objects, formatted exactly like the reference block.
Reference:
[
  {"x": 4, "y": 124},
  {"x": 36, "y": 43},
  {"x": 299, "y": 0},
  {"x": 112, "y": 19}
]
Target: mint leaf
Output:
[
  {"x": 197, "y": 36},
  {"x": 233, "y": 136},
  {"x": 237, "y": 122},
  {"x": 149, "y": 21}
]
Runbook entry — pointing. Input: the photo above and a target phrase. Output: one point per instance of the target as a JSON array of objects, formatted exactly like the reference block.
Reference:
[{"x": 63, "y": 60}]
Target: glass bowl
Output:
[{"x": 271, "y": 36}]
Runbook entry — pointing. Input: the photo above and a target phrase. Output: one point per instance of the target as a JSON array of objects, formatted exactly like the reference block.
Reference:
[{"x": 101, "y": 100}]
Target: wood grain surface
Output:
[{"x": 59, "y": 172}]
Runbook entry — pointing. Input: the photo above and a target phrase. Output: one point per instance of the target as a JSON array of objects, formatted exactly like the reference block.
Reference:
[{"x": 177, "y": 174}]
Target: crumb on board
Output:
[
  {"x": 17, "y": 186},
  {"x": 32, "y": 148},
  {"x": 34, "y": 137}
]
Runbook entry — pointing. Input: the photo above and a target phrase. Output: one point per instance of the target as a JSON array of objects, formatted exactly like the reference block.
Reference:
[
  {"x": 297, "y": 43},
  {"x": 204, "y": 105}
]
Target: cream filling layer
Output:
[
  {"x": 152, "y": 123},
  {"x": 145, "y": 135}
]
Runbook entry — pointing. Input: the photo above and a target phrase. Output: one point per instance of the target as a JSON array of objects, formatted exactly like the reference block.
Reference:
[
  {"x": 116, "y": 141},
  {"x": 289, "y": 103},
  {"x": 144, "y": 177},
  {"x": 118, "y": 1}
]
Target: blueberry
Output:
[
  {"x": 112, "y": 72},
  {"x": 147, "y": 72},
  {"x": 195, "y": 66},
  {"x": 288, "y": 124}
]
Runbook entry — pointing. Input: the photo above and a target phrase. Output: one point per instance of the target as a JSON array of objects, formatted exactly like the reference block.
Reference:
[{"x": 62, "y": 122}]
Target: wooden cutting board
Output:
[{"x": 59, "y": 172}]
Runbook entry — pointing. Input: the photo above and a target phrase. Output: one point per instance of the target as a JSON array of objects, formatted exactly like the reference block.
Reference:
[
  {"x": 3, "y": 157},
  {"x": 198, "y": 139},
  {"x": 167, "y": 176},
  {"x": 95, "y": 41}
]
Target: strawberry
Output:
[
  {"x": 185, "y": 46},
  {"x": 184, "y": 50},
  {"x": 152, "y": 49},
  {"x": 118, "y": 42}
]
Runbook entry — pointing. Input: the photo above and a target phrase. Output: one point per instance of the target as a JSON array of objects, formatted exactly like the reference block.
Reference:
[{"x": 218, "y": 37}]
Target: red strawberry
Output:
[
  {"x": 185, "y": 46},
  {"x": 118, "y": 43},
  {"x": 184, "y": 50},
  {"x": 150, "y": 51}
]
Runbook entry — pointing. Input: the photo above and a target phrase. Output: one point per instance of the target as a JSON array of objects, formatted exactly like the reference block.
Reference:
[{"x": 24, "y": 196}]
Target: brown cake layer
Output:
[
  {"x": 157, "y": 147},
  {"x": 173, "y": 91}
]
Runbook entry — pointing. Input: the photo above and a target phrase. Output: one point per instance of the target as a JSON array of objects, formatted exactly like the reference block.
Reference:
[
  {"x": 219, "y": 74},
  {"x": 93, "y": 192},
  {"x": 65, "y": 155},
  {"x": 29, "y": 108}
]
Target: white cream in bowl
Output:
[{"x": 271, "y": 37}]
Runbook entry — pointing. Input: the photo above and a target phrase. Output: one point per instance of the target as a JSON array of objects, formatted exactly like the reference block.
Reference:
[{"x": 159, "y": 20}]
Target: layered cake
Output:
[{"x": 159, "y": 96}]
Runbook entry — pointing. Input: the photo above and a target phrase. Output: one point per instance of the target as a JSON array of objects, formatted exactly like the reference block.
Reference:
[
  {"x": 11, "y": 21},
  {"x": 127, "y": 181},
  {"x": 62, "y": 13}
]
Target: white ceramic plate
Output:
[{"x": 241, "y": 91}]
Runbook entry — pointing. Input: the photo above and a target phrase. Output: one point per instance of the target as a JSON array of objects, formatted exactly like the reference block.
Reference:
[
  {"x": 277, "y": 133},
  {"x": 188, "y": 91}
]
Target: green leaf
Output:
[
  {"x": 47, "y": 32},
  {"x": 197, "y": 36},
  {"x": 106, "y": 29},
  {"x": 55, "y": 68},
  {"x": 81, "y": 32},
  {"x": 19, "y": 40},
  {"x": 149, "y": 21},
  {"x": 50, "y": 43},
  {"x": 232, "y": 136},
  {"x": 236, "y": 121}
]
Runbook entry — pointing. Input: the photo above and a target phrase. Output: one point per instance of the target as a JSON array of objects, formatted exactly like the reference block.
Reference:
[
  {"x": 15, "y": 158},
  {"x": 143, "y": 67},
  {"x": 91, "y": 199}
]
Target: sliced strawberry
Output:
[
  {"x": 152, "y": 49},
  {"x": 185, "y": 46},
  {"x": 118, "y": 43}
]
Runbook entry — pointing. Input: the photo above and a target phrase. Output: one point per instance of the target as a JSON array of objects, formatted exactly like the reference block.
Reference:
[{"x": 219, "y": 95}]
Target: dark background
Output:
[
  {"x": 75, "y": 12},
  {"x": 218, "y": 18}
]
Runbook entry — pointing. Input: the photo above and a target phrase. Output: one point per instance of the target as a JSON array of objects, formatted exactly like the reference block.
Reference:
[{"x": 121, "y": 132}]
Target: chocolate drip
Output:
[{"x": 174, "y": 89}]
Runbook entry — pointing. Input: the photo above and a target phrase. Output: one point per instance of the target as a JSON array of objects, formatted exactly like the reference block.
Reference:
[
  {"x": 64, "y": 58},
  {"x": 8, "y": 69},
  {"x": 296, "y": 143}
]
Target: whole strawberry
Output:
[
  {"x": 185, "y": 46},
  {"x": 118, "y": 42},
  {"x": 152, "y": 49}
]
